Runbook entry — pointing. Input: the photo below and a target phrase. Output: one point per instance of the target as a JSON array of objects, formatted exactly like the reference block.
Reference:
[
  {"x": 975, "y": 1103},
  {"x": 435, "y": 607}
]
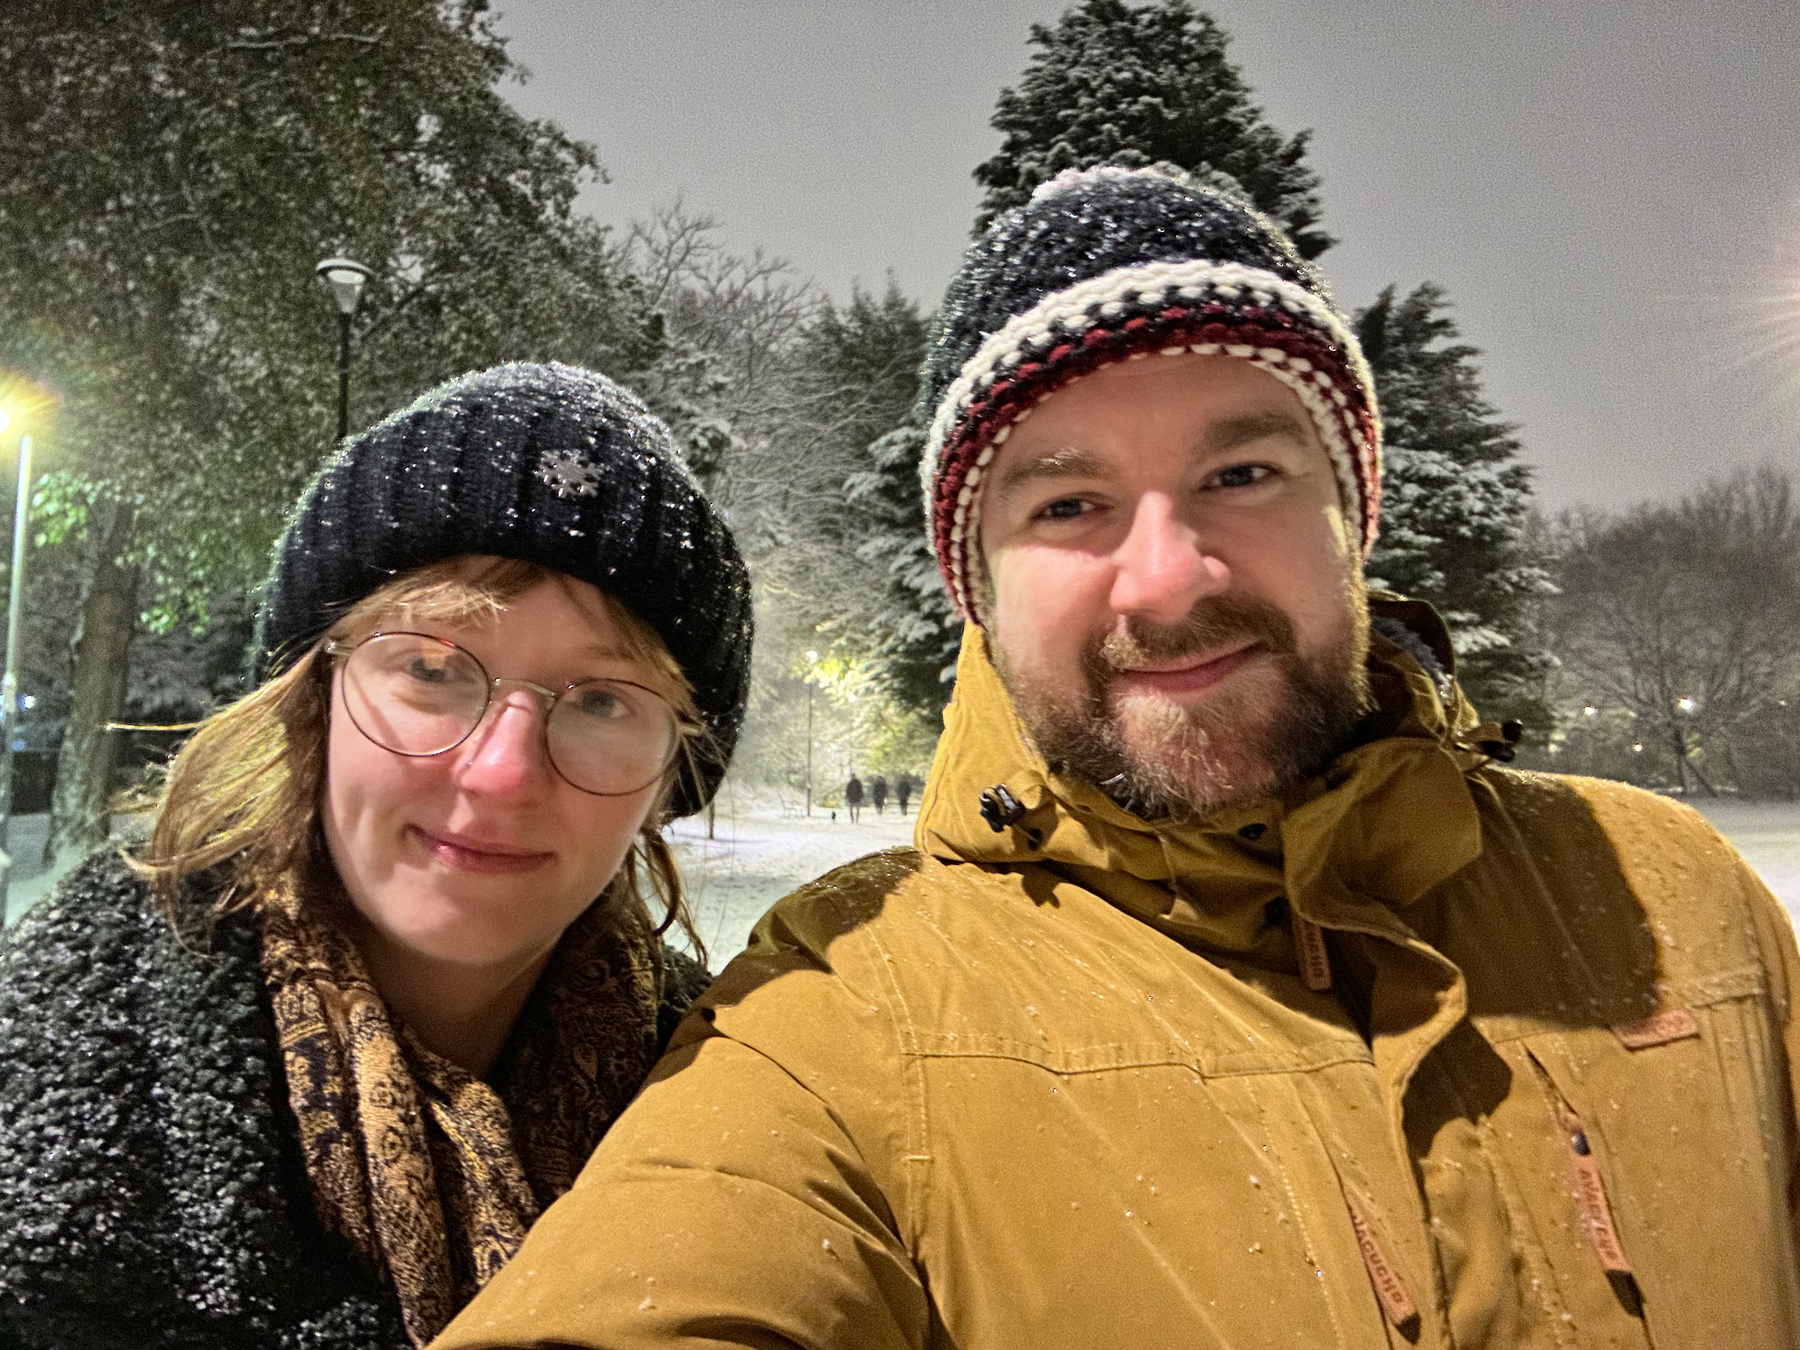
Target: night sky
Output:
[{"x": 1609, "y": 191}]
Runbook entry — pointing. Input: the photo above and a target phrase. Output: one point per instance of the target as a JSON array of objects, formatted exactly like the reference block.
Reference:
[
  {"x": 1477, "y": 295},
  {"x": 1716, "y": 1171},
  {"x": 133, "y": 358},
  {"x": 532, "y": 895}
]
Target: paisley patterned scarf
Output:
[{"x": 432, "y": 1174}]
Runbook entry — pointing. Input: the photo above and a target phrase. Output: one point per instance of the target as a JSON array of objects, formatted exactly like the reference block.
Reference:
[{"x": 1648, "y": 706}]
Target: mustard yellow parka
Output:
[{"x": 1071, "y": 1084}]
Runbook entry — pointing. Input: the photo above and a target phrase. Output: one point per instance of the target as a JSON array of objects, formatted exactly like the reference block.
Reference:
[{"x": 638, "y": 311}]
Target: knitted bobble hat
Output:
[
  {"x": 548, "y": 464},
  {"x": 1108, "y": 263}
]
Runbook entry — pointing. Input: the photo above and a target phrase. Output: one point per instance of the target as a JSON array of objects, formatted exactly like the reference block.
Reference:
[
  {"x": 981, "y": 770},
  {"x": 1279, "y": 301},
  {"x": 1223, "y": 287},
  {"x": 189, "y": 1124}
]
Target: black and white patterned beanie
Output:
[
  {"x": 1108, "y": 263},
  {"x": 548, "y": 464}
]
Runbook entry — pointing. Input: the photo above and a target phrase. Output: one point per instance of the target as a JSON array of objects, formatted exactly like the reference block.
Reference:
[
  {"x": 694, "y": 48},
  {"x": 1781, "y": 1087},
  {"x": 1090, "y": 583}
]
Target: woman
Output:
[{"x": 303, "y": 1069}]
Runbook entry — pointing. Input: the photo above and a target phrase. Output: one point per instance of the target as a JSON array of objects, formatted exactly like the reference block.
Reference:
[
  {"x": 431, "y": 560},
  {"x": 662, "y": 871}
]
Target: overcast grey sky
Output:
[{"x": 1609, "y": 189}]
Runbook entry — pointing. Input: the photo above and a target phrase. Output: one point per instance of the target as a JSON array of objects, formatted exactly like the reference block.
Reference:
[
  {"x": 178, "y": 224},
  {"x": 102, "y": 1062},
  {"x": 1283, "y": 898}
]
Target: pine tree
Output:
[
  {"x": 1455, "y": 502},
  {"x": 863, "y": 363},
  {"x": 1110, "y": 83},
  {"x": 916, "y": 627},
  {"x": 166, "y": 292}
]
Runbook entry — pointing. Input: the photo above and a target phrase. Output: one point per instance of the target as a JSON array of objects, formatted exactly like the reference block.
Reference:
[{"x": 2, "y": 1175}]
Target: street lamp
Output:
[
  {"x": 812, "y": 660},
  {"x": 345, "y": 278},
  {"x": 9, "y": 682}
]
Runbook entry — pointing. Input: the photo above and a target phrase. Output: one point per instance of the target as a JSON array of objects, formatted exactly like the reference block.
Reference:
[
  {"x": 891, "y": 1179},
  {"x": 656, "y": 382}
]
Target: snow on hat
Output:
[
  {"x": 548, "y": 464},
  {"x": 1108, "y": 263}
]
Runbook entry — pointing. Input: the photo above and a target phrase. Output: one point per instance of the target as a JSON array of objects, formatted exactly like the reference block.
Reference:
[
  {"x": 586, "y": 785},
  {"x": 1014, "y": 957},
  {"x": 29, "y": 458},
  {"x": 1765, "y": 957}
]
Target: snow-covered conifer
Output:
[
  {"x": 1138, "y": 86},
  {"x": 1455, "y": 501}
]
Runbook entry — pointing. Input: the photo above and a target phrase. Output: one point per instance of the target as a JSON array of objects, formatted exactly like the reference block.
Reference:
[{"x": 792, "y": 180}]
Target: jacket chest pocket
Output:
[{"x": 1658, "y": 1154}]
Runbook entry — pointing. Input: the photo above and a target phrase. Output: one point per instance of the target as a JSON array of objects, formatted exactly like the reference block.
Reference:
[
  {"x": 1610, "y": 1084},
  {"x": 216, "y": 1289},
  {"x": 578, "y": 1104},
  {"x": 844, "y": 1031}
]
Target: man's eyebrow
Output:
[
  {"x": 1236, "y": 431},
  {"x": 1067, "y": 462}
]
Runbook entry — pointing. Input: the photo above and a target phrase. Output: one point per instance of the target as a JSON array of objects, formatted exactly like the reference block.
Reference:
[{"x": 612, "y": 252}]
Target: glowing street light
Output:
[
  {"x": 812, "y": 660},
  {"x": 1687, "y": 703},
  {"x": 9, "y": 682},
  {"x": 344, "y": 277}
]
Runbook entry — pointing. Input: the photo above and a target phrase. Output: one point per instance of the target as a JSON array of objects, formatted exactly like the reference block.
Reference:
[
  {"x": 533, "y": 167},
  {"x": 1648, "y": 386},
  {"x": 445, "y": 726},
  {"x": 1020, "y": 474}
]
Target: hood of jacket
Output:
[{"x": 1385, "y": 821}]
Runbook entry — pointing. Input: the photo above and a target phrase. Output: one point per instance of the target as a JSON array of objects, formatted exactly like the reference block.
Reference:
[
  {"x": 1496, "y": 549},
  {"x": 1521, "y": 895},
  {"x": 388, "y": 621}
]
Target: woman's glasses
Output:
[{"x": 419, "y": 695}]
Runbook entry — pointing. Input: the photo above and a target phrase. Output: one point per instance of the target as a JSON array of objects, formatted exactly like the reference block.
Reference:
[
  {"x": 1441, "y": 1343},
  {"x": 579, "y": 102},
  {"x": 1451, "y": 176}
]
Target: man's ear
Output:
[{"x": 981, "y": 586}]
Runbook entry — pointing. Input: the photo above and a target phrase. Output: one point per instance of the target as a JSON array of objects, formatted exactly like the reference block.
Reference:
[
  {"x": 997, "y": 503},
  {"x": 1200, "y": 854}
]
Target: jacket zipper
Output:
[{"x": 1585, "y": 1179}]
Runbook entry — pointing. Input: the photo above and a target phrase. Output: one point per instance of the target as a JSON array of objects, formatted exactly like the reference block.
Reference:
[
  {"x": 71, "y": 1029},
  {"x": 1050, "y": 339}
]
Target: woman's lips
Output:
[
  {"x": 1192, "y": 677},
  {"x": 468, "y": 855}
]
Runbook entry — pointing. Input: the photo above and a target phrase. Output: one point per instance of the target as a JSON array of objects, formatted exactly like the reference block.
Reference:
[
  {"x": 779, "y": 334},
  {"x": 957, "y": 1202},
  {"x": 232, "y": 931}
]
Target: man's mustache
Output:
[{"x": 1212, "y": 624}]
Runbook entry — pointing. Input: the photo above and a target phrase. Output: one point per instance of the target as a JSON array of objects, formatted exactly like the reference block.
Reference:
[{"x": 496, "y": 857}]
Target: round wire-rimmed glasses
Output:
[{"x": 419, "y": 695}]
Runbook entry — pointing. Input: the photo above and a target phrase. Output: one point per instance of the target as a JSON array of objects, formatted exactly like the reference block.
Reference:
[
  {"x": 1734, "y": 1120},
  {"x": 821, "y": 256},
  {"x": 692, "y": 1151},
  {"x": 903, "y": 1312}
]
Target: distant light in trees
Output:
[
  {"x": 1590, "y": 711},
  {"x": 1687, "y": 703}
]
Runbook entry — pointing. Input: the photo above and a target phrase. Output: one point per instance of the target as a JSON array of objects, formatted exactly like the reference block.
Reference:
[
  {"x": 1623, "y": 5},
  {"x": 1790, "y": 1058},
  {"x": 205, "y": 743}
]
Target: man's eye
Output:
[
  {"x": 1064, "y": 508},
  {"x": 1242, "y": 475}
]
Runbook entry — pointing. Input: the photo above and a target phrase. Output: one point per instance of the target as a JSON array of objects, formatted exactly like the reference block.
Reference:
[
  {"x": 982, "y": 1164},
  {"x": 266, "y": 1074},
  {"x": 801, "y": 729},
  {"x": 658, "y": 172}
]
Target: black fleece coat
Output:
[{"x": 152, "y": 1192}]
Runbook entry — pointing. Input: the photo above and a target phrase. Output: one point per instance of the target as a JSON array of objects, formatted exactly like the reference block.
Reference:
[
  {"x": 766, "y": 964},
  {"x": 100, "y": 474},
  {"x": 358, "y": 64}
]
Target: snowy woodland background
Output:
[{"x": 170, "y": 170}]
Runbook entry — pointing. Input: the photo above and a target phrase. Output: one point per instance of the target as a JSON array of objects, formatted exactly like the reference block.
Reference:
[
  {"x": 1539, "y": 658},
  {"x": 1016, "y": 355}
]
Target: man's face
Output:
[{"x": 1172, "y": 592}]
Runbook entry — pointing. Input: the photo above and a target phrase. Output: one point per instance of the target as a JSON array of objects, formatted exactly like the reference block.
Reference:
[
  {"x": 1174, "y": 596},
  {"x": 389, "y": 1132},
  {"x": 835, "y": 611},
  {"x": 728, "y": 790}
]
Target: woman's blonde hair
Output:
[{"x": 244, "y": 791}]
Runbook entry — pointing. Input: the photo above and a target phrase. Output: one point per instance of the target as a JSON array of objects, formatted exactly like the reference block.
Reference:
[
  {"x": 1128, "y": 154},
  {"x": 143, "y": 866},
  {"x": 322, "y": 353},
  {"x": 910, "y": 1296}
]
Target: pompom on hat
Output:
[
  {"x": 1108, "y": 263},
  {"x": 547, "y": 464}
]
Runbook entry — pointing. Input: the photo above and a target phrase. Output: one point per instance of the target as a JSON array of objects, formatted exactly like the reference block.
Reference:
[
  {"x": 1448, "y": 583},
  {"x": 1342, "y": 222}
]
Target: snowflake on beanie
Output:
[{"x": 567, "y": 474}]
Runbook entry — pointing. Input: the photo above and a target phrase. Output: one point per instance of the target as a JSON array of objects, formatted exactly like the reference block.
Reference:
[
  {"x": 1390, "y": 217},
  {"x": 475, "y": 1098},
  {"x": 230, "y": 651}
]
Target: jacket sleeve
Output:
[{"x": 747, "y": 1197}]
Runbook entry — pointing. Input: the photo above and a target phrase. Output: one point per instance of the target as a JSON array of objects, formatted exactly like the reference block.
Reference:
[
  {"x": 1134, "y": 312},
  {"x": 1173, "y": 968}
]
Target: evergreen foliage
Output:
[
  {"x": 1455, "y": 502},
  {"x": 167, "y": 290},
  {"x": 1138, "y": 86},
  {"x": 866, "y": 358},
  {"x": 173, "y": 171},
  {"x": 914, "y": 624}
]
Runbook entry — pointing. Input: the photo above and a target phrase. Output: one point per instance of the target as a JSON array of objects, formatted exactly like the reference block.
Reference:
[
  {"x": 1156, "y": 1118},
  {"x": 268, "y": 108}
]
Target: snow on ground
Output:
[
  {"x": 762, "y": 852},
  {"x": 762, "y": 849},
  {"x": 1768, "y": 835}
]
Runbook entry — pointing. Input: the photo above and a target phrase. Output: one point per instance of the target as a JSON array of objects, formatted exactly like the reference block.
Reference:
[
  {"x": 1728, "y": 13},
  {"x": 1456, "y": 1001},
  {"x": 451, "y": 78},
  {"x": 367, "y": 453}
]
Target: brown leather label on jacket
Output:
[
  {"x": 1315, "y": 960},
  {"x": 1390, "y": 1289},
  {"x": 1674, "y": 1025},
  {"x": 1590, "y": 1198}
]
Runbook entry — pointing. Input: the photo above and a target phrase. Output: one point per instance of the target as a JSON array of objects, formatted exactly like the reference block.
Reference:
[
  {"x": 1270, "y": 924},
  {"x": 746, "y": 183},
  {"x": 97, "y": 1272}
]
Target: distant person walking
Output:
[
  {"x": 903, "y": 790},
  {"x": 878, "y": 793},
  {"x": 853, "y": 797}
]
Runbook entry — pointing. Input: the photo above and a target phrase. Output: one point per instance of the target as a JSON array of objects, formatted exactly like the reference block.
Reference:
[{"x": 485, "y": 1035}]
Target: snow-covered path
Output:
[{"x": 760, "y": 854}]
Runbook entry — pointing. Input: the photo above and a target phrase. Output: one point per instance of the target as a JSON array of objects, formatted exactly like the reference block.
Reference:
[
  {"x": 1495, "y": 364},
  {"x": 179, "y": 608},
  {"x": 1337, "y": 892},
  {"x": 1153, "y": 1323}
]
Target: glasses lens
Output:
[
  {"x": 611, "y": 737},
  {"x": 414, "y": 694}
]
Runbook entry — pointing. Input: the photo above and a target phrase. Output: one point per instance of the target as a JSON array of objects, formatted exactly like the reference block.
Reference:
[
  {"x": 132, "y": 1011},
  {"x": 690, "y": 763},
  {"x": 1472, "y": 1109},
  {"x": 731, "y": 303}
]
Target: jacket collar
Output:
[{"x": 1387, "y": 820}]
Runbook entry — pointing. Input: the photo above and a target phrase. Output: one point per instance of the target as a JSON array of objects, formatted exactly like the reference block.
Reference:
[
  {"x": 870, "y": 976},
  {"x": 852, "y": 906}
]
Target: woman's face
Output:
[{"x": 481, "y": 856}]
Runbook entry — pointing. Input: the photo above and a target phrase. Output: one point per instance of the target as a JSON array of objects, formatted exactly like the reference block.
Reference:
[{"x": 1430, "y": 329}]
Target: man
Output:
[{"x": 1235, "y": 995}]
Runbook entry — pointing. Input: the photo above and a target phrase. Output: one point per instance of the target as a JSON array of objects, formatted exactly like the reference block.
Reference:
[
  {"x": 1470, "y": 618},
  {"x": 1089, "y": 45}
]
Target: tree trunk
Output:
[{"x": 99, "y": 665}]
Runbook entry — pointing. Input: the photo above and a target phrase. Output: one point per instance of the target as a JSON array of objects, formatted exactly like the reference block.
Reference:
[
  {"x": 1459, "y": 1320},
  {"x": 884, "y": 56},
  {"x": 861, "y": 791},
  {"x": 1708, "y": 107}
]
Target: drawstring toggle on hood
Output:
[{"x": 999, "y": 808}]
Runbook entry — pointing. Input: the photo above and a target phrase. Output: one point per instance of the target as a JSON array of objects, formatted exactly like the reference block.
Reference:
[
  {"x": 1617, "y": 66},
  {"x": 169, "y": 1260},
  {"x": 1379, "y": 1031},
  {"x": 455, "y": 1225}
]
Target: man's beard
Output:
[{"x": 1258, "y": 733}]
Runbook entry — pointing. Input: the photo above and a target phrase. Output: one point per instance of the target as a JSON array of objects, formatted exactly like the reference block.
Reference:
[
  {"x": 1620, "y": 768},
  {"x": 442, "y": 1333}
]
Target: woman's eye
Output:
[
  {"x": 427, "y": 671},
  {"x": 1242, "y": 475},
  {"x": 601, "y": 704}
]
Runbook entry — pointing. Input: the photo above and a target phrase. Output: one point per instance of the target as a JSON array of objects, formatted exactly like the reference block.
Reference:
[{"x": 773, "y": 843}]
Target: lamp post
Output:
[
  {"x": 812, "y": 659},
  {"x": 9, "y": 683},
  {"x": 345, "y": 278}
]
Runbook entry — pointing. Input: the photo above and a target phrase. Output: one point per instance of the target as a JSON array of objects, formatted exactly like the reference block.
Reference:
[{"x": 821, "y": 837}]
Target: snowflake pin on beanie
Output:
[
  {"x": 567, "y": 474},
  {"x": 1107, "y": 263}
]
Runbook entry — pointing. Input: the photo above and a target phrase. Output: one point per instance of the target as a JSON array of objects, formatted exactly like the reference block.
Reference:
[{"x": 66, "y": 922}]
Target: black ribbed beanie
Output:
[{"x": 548, "y": 464}]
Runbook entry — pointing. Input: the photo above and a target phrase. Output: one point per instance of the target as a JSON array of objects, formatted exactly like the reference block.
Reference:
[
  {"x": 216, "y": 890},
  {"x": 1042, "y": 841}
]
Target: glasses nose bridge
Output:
[{"x": 546, "y": 697}]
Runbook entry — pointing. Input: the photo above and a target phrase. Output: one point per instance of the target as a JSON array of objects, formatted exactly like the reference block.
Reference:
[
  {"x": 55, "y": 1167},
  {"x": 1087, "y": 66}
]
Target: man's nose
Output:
[
  {"x": 505, "y": 756},
  {"x": 1163, "y": 567}
]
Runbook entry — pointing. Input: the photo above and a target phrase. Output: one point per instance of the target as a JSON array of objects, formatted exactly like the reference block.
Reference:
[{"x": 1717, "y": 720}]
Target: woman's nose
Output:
[
  {"x": 1163, "y": 567},
  {"x": 504, "y": 756}
]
